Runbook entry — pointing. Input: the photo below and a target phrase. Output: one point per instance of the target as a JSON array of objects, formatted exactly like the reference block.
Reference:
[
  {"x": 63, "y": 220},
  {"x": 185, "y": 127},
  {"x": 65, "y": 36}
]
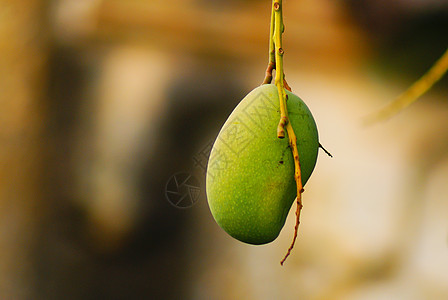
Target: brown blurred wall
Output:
[{"x": 23, "y": 58}]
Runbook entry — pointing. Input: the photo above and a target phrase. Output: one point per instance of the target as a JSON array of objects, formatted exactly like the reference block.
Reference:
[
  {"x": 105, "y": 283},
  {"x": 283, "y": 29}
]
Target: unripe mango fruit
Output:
[{"x": 250, "y": 174}]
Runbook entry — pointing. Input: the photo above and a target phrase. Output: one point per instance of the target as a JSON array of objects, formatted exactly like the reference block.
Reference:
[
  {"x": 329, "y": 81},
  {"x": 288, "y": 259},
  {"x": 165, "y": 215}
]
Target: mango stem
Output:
[
  {"x": 276, "y": 60},
  {"x": 298, "y": 178}
]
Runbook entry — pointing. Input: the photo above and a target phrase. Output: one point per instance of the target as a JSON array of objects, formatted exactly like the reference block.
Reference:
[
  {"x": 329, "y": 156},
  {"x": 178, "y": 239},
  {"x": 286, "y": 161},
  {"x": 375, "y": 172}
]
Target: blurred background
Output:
[{"x": 103, "y": 101}]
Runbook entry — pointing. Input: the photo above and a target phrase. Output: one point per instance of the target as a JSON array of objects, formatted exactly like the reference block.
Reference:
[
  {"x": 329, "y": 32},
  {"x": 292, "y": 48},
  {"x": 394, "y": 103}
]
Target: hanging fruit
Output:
[{"x": 263, "y": 155}]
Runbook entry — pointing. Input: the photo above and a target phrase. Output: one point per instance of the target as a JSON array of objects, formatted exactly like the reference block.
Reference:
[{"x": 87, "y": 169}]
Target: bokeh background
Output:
[{"x": 103, "y": 101}]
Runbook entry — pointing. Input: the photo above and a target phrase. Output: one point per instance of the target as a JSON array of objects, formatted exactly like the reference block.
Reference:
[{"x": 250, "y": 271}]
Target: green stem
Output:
[
  {"x": 414, "y": 92},
  {"x": 277, "y": 38},
  {"x": 284, "y": 119}
]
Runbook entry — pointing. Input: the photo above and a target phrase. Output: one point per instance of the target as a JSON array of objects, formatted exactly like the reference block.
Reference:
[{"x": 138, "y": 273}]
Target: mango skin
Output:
[{"x": 250, "y": 182}]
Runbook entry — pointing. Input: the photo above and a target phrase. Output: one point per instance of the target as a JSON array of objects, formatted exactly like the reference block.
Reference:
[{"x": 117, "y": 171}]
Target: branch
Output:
[
  {"x": 271, "y": 64},
  {"x": 413, "y": 93},
  {"x": 298, "y": 178},
  {"x": 284, "y": 123}
]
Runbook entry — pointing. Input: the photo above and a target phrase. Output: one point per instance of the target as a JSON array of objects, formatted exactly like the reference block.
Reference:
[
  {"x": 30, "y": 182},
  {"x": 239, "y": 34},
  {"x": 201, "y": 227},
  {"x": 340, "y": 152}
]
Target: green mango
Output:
[{"x": 250, "y": 174}]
